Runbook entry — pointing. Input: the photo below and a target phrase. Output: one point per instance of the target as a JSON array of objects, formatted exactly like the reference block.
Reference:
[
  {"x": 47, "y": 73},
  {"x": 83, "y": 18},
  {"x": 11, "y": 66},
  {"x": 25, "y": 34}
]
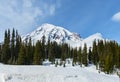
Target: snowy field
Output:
[{"x": 50, "y": 73}]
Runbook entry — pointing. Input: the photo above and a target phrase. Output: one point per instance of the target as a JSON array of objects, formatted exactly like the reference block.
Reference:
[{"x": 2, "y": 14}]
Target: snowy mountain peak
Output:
[
  {"x": 60, "y": 35},
  {"x": 46, "y": 26},
  {"x": 52, "y": 33}
]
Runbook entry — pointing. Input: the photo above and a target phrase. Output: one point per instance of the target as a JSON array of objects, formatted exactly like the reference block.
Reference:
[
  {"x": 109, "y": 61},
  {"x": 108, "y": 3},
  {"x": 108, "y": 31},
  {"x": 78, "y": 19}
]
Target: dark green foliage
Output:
[
  {"x": 52, "y": 53},
  {"x": 17, "y": 46},
  {"x": 13, "y": 46},
  {"x": 80, "y": 56},
  {"x": 84, "y": 56},
  {"x": 95, "y": 53},
  {"x": 43, "y": 48},
  {"x": 64, "y": 52},
  {"x": 29, "y": 53},
  {"x": 90, "y": 56},
  {"x": 5, "y": 56},
  {"x": 108, "y": 64},
  {"x": 21, "y": 56},
  {"x": 37, "y": 59},
  {"x": 75, "y": 58}
]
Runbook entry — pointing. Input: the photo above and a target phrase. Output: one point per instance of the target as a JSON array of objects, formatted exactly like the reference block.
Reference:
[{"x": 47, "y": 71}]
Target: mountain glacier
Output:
[{"x": 60, "y": 35}]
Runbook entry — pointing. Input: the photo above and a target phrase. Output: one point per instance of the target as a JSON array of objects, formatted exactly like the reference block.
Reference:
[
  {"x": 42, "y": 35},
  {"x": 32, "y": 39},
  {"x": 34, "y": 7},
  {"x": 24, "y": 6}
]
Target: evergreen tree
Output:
[
  {"x": 63, "y": 55},
  {"x": 101, "y": 53},
  {"x": 8, "y": 43},
  {"x": 43, "y": 48},
  {"x": 51, "y": 53},
  {"x": 84, "y": 55},
  {"x": 95, "y": 53},
  {"x": 30, "y": 52},
  {"x": 80, "y": 56},
  {"x": 17, "y": 46},
  {"x": 90, "y": 56},
  {"x": 47, "y": 49},
  {"x": 108, "y": 64},
  {"x": 6, "y": 48},
  {"x": 37, "y": 60},
  {"x": 21, "y": 56},
  {"x": 75, "y": 56},
  {"x": 13, "y": 47}
]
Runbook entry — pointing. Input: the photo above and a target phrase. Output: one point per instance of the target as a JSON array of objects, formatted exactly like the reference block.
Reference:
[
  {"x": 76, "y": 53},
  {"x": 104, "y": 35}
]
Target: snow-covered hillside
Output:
[
  {"x": 52, "y": 33},
  {"x": 50, "y": 73},
  {"x": 89, "y": 40},
  {"x": 60, "y": 35}
]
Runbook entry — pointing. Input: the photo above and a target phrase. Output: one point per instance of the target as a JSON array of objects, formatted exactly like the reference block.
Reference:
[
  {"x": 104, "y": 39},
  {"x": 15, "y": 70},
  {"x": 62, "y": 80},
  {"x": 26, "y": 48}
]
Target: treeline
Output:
[{"x": 105, "y": 55}]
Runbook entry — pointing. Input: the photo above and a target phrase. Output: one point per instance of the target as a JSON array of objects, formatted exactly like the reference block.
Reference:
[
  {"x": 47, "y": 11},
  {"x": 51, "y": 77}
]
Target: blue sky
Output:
[{"x": 85, "y": 17}]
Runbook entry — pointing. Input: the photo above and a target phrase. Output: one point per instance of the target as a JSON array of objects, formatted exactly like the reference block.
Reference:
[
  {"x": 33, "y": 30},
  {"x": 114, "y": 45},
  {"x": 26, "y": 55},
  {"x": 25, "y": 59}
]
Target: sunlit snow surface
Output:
[{"x": 50, "y": 73}]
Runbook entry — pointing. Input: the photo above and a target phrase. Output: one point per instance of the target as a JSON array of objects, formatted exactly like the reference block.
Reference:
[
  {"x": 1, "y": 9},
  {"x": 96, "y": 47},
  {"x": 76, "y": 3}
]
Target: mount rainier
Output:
[{"x": 60, "y": 35}]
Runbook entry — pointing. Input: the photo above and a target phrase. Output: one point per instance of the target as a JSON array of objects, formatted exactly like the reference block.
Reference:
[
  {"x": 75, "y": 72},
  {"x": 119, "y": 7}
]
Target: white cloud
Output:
[
  {"x": 116, "y": 17},
  {"x": 22, "y": 14}
]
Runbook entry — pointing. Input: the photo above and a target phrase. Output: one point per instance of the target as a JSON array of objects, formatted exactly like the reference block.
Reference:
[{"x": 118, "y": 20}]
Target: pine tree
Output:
[
  {"x": 21, "y": 56},
  {"x": 84, "y": 55},
  {"x": 63, "y": 55},
  {"x": 47, "y": 49},
  {"x": 108, "y": 64},
  {"x": 90, "y": 56},
  {"x": 17, "y": 46},
  {"x": 75, "y": 56},
  {"x": 6, "y": 48},
  {"x": 80, "y": 56},
  {"x": 8, "y": 43},
  {"x": 13, "y": 47},
  {"x": 95, "y": 53},
  {"x": 101, "y": 53},
  {"x": 43, "y": 48},
  {"x": 51, "y": 53},
  {"x": 37, "y": 60},
  {"x": 30, "y": 54}
]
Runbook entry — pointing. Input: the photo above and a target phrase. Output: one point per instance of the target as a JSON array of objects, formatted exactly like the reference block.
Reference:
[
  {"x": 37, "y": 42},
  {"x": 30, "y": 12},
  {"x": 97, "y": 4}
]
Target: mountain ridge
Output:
[{"x": 60, "y": 35}]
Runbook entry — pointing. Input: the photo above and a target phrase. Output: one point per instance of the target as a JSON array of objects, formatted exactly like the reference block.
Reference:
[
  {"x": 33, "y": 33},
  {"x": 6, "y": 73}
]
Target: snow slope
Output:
[
  {"x": 89, "y": 40},
  {"x": 52, "y": 33},
  {"x": 60, "y": 35},
  {"x": 50, "y": 73}
]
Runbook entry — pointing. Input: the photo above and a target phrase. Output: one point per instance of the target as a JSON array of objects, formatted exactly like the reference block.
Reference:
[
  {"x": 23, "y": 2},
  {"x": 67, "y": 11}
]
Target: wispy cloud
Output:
[
  {"x": 116, "y": 17},
  {"x": 23, "y": 14}
]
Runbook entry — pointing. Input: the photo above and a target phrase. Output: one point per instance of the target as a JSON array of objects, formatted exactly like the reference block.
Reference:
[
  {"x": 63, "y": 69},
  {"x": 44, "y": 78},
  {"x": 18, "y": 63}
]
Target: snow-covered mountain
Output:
[{"x": 60, "y": 35}]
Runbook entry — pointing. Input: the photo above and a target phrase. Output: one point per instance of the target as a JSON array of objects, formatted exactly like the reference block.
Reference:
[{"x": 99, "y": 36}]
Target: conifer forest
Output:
[{"x": 105, "y": 55}]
